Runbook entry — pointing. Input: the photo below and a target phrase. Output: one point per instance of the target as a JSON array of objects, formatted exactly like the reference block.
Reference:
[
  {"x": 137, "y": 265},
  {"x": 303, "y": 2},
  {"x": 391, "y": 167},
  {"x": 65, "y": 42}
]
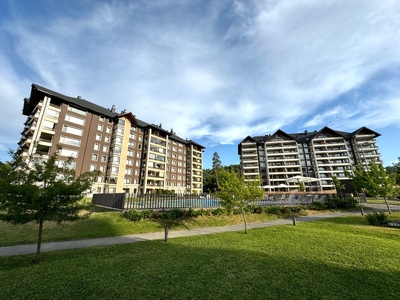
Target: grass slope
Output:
[{"x": 340, "y": 258}]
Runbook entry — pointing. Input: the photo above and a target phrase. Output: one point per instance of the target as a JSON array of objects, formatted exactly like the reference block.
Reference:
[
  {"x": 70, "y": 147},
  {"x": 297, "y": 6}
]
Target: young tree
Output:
[
  {"x": 234, "y": 192},
  {"x": 338, "y": 186},
  {"x": 375, "y": 181},
  {"x": 39, "y": 190}
]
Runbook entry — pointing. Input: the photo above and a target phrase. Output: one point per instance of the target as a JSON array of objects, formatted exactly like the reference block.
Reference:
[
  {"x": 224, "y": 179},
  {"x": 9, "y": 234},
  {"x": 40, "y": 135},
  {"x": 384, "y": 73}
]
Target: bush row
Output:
[
  {"x": 334, "y": 203},
  {"x": 137, "y": 215}
]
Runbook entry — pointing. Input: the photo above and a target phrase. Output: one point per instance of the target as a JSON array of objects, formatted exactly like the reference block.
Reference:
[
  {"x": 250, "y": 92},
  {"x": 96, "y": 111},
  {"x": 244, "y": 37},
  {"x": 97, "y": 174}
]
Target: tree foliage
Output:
[
  {"x": 338, "y": 185},
  {"x": 375, "y": 181},
  {"x": 216, "y": 161},
  {"x": 236, "y": 193},
  {"x": 39, "y": 190}
]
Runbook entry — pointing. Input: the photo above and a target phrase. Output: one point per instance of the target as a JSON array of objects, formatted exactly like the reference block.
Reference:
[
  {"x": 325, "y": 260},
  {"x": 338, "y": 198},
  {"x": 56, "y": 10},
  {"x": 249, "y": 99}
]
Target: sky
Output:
[{"x": 213, "y": 71}]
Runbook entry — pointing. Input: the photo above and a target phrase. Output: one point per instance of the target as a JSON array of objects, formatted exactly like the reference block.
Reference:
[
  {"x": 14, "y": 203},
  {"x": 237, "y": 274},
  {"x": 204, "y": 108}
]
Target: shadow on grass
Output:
[{"x": 227, "y": 266}]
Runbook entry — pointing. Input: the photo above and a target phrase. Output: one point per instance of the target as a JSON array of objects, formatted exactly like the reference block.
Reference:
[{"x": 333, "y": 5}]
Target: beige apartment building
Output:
[
  {"x": 132, "y": 155},
  {"x": 318, "y": 154}
]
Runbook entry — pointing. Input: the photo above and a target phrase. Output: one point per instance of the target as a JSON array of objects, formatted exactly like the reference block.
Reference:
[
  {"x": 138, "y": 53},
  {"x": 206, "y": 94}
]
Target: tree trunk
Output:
[
  {"x": 245, "y": 221},
  {"x": 39, "y": 242},
  {"x": 387, "y": 204}
]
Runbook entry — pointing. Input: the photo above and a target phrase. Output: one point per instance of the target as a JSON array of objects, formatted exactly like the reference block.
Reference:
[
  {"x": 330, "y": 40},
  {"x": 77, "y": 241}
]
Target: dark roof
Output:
[
  {"x": 76, "y": 101},
  {"x": 305, "y": 137}
]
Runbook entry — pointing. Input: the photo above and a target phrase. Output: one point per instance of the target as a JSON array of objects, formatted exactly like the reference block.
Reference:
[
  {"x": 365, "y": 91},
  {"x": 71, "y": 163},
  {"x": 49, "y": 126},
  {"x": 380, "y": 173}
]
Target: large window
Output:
[
  {"x": 68, "y": 153},
  {"x": 74, "y": 119},
  {"x": 70, "y": 141},
  {"x": 52, "y": 113},
  {"x": 77, "y": 110},
  {"x": 72, "y": 130}
]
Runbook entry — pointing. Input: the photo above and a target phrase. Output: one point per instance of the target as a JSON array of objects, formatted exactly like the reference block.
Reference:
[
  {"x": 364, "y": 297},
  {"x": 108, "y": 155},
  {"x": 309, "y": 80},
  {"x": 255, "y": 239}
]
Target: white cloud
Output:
[{"x": 215, "y": 72}]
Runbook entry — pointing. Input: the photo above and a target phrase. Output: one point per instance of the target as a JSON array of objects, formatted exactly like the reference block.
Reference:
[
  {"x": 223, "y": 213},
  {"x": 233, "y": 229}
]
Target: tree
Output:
[
  {"x": 395, "y": 169},
  {"x": 375, "y": 181},
  {"x": 39, "y": 190},
  {"x": 338, "y": 185},
  {"x": 235, "y": 192},
  {"x": 216, "y": 161}
]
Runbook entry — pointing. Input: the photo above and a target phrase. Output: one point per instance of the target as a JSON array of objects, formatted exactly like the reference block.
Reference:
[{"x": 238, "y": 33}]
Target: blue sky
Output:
[{"x": 214, "y": 71}]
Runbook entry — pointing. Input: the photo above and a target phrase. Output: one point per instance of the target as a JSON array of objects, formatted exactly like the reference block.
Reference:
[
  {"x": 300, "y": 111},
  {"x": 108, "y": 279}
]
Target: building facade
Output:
[
  {"x": 318, "y": 154},
  {"x": 132, "y": 155}
]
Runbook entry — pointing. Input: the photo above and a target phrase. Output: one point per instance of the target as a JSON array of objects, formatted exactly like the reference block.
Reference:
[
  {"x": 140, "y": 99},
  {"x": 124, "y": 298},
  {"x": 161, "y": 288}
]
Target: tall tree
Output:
[
  {"x": 216, "y": 161},
  {"x": 39, "y": 190},
  {"x": 235, "y": 192}
]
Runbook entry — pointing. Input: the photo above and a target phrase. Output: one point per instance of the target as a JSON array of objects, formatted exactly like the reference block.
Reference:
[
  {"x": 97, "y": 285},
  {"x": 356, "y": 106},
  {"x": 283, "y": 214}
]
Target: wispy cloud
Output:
[{"x": 215, "y": 72}]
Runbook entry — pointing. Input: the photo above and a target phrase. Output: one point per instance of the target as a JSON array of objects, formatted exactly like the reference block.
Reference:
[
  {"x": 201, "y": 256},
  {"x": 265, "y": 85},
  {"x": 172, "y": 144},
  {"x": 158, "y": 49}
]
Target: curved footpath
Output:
[{"x": 86, "y": 243}]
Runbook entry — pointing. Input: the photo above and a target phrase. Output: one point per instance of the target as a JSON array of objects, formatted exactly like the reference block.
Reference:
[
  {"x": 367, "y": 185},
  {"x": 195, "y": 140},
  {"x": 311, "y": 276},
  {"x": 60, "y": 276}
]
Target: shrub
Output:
[
  {"x": 298, "y": 208},
  {"x": 285, "y": 210},
  {"x": 137, "y": 215},
  {"x": 348, "y": 202},
  {"x": 274, "y": 210},
  {"x": 376, "y": 218},
  {"x": 318, "y": 205},
  {"x": 219, "y": 212},
  {"x": 254, "y": 209}
]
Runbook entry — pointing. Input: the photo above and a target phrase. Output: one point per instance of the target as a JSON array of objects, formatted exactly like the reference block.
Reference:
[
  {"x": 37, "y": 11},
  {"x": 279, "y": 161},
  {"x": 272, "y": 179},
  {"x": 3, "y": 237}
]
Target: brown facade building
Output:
[
  {"x": 319, "y": 154},
  {"x": 133, "y": 156}
]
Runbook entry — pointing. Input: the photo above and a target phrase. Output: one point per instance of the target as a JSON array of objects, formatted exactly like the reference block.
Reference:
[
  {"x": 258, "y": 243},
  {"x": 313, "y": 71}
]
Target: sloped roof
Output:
[{"x": 76, "y": 101}]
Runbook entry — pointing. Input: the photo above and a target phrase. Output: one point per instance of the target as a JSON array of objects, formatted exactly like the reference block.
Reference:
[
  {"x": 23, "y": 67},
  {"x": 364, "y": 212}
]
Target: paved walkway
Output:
[{"x": 133, "y": 238}]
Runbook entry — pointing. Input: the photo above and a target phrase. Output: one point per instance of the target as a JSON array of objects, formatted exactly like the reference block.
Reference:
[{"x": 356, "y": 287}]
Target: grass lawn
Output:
[
  {"x": 105, "y": 223},
  {"x": 340, "y": 258},
  {"x": 381, "y": 201}
]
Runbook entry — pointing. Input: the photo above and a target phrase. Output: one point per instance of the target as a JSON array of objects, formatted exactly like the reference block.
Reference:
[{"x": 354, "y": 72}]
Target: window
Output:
[
  {"x": 103, "y": 158},
  {"x": 131, "y": 153},
  {"x": 96, "y": 146},
  {"x": 105, "y": 149},
  {"x": 118, "y": 140},
  {"x": 120, "y": 131},
  {"x": 133, "y": 128},
  {"x": 131, "y": 144},
  {"x": 137, "y": 163},
  {"x": 75, "y": 120},
  {"x": 102, "y": 168},
  {"x": 107, "y": 139},
  {"x": 70, "y": 141},
  {"x": 132, "y": 136},
  {"x": 52, "y": 113},
  {"x": 121, "y": 122},
  {"x": 94, "y": 156},
  {"x": 114, "y": 170},
  {"x": 65, "y": 164},
  {"x": 68, "y": 153},
  {"x": 136, "y": 172},
  {"x": 108, "y": 129},
  {"x": 48, "y": 125},
  {"x": 100, "y": 127},
  {"x": 138, "y": 154},
  {"x": 128, "y": 171},
  {"x": 101, "y": 118},
  {"x": 98, "y": 137},
  {"x": 115, "y": 159},
  {"x": 77, "y": 110},
  {"x": 99, "y": 179},
  {"x": 140, "y": 138},
  {"x": 117, "y": 150},
  {"x": 92, "y": 167},
  {"x": 135, "y": 181},
  {"x": 129, "y": 162},
  {"x": 72, "y": 130},
  {"x": 127, "y": 180}
]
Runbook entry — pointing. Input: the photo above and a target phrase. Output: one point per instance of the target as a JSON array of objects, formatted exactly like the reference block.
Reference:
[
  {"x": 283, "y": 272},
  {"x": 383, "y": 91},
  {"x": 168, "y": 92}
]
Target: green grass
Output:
[
  {"x": 340, "y": 258},
  {"x": 381, "y": 201},
  {"x": 105, "y": 223}
]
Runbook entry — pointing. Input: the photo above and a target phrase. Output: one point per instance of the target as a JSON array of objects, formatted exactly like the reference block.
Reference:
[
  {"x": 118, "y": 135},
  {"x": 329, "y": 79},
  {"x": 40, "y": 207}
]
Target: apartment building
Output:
[
  {"x": 318, "y": 154},
  {"x": 132, "y": 155}
]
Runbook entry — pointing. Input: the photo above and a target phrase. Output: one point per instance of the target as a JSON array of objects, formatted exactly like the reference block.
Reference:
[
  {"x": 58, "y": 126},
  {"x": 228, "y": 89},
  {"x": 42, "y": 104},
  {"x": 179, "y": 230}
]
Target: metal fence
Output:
[{"x": 124, "y": 201}]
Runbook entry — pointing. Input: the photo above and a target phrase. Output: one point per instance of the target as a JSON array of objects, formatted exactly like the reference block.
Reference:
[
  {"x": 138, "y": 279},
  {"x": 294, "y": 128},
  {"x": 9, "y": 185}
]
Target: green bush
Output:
[
  {"x": 348, "y": 202},
  {"x": 376, "y": 218},
  {"x": 285, "y": 210},
  {"x": 137, "y": 215},
  {"x": 298, "y": 208},
  {"x": 274, "y": 210},
  {"x": 254, "y": 209},
  {"x": 219, "y": 212},
  {"x": 318, "y": 205}
]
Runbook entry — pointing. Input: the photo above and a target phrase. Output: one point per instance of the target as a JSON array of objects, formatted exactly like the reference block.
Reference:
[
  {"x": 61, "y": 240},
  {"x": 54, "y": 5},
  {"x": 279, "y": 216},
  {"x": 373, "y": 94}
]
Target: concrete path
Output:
[{"x": 86, "y": 243}]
